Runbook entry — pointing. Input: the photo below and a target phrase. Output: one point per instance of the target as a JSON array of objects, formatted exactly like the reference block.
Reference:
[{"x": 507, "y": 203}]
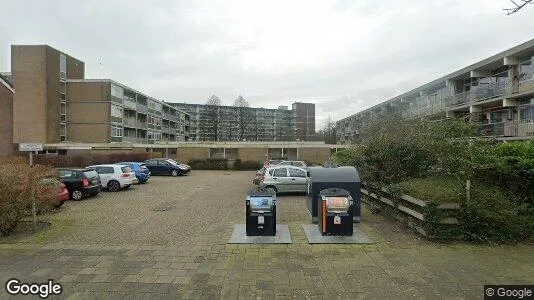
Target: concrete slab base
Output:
[
  {"x": 315, "y": 237},
  {"x": 239, "y": 236}
]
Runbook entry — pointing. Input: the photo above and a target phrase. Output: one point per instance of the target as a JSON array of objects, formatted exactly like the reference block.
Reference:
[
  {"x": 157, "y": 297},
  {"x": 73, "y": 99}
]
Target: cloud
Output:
[{"x": 344, "y": 55}]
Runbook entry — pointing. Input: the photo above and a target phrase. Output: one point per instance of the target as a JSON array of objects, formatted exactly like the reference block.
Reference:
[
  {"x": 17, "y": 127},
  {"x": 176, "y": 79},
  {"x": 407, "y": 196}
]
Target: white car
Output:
[{"x": 115, "y": 177}]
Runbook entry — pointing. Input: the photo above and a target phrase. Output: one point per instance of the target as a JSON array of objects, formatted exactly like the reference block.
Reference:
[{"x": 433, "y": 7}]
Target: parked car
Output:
[
  {"x": 284, "y": 178},
  {"x": 295, "y": 163},
  {"x": 140, "y": 169},
  {"x": 271, "y": 162},
  {"x": 330, "y": 164},
  {"x": 61, "y": 188},
  {"x": 115, "y": 177},
  {"x": 165, "y": 166},
  {"x": 80, "y": 183}
]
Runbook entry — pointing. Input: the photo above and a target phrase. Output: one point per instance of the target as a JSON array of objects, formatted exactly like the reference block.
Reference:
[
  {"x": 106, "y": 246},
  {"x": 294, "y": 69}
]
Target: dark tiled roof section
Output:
[{"x": 7, "y": 80}]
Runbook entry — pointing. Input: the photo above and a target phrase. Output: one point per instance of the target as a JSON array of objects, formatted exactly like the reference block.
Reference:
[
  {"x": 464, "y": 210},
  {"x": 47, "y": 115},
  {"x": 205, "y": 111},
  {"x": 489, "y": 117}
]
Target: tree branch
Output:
[{"x": 517, "y": 6}]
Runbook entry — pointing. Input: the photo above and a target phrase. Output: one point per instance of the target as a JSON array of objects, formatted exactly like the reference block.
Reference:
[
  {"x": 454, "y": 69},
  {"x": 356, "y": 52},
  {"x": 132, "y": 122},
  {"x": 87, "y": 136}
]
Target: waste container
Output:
[
  {"x": 346, "y": 178},
  {"x": 335, "y": 212},
  {"x": 261, "y": 213}
]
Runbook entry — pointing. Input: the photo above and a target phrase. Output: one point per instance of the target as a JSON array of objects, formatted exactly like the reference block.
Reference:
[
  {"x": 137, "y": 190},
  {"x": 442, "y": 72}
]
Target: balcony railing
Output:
[
  {"x": 130, "y": 122},
  {"x": 133, "y": 139},
  {"x": 130, "y": 103},
  {"x": 142, "y": 108}
]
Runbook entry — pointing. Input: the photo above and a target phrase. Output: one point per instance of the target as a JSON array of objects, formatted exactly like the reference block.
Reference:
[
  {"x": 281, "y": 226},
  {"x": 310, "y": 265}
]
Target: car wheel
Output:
[
  {"x": 174, "y": 173},
  {"x": 114, "y": 186},
  {"x": 271, "y": 189},
  {"x": 76, "y": 195}
]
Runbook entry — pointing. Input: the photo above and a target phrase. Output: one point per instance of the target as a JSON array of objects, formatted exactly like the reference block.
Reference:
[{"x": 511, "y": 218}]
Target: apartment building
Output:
[
  {"x": 54, "y": 103},
  {"x": 304, "y": 114},
  {"x": 497, "y": 92},
  {"x": 6, "y": 116},
  {"x": 226, "y": 123}
]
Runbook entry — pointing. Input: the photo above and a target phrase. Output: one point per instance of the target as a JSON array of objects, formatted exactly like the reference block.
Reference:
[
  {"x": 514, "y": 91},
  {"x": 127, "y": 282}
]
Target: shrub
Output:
[
  {"x": 17, "y": 184},
  {"x": 209, "y": 164},
  {"x": 250, "y": 165},
  {"x": 495, "y": 216}
]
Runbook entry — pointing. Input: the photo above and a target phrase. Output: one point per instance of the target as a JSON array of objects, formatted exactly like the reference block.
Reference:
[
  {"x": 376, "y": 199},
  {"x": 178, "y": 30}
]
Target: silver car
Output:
[
  {"x": 295, "y": 163},
  {"x": 283, "y": 179}
]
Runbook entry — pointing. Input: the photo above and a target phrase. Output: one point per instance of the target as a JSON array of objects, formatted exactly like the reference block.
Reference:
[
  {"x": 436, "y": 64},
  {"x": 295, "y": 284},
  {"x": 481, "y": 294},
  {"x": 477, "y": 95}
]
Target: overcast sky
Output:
[{"x": 345, "y": 55}]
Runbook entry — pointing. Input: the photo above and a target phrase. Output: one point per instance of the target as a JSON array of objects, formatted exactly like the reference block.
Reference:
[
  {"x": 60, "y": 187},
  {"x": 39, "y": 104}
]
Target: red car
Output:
[{"x": 63, "y": 194}]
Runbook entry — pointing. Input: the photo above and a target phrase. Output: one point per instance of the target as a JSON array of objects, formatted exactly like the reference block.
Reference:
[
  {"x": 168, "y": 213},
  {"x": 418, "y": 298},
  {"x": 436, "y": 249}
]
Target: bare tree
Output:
[
  {"x": 518, "y": 5},
  {"x": 242, "y": 117},
  {"x": 211, "y": 118},
  {"x": 328, "y": 133}
]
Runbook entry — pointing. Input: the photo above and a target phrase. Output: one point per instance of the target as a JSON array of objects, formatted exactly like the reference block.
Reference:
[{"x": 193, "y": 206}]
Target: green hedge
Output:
[
  {"x": 209, "y": 164},
  {"x": 250, "y": 165}
]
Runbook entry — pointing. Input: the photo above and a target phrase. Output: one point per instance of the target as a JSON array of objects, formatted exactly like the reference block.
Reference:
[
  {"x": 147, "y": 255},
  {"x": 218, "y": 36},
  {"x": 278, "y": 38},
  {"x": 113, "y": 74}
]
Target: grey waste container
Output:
[{"x": 346, "y": 178}]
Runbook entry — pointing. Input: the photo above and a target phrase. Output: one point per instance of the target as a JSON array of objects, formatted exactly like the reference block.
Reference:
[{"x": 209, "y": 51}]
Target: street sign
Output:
[{"x": 30, "y": 147}]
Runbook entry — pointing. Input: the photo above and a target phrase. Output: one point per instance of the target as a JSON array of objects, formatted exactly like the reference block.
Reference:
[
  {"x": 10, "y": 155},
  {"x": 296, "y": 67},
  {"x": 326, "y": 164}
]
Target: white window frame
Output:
[
  {"x": 117, "y": 131},
  {"x": 63, "y": 114},
  {"x": 62, "y": 137}
]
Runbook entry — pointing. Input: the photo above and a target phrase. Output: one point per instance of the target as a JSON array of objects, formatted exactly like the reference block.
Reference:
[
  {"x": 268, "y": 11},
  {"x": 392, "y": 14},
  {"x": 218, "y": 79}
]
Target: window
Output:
[
  {"x": 104, "y": 170},
  {"x": 63, "y": 132},
  {"x": 162, "y": 162},
  {"x": 117, "y": 91},
  {"x": 63, "y": 111},
  {"x": 296, "y": 173},
  {"x": 116, "y": 131},
  {"x": 282, "y": 172},
  {"x": 62, "y": 90},
  {"x": 150, "y": 135},
  {"x": 157, "y": 106},
  {"x": 150, "y": 120},
  {"x": 151, "y": 104},
  {"x": 126, "y": 169},
  {"x": 62, "y": 66},
  {"x": 526, "y": 112},
  {"x": 66, "y": 174},
  {"x": 116, "y": 111}
]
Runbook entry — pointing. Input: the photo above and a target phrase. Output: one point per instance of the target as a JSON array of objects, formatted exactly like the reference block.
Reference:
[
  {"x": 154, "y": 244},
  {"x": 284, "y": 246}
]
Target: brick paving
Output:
[{"x": 117, "y": 245}]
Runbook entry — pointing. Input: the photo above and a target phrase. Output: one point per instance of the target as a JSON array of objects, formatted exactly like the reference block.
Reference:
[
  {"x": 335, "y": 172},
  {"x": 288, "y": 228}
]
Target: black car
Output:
[
  {"x": 165, "y": 166},
  {"x": 80, "y": 182}
]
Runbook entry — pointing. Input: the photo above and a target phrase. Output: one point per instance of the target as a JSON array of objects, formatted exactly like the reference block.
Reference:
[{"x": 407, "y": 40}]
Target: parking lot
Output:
[{"x": 168, "y": 239}]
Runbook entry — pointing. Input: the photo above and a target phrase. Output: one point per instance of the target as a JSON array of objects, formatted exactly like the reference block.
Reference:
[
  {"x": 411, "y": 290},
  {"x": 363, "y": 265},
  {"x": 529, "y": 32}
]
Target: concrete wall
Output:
[
  {"x": 317, "y": 155},
  {"x": 88, "y": 112},
  {"x": 88, "y": 133},
  {"x": 257, "y": 154},
  {"x": 6, "y": 121},
  {"x": 52, "y": 95},
  {"x": 28, "y": 67},
  {"x": 185, "y": 154}
]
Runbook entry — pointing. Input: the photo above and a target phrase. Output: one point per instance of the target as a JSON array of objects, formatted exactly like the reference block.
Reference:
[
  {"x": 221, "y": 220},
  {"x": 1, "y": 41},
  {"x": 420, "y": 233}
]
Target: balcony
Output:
[
  {"x": 129, "y": 103},
  {"x": 142, "y": 108},
  {"x": 141, "y": 124},
  {"x": 168, "y": 116},
  {"x": 129, "y": 122}
]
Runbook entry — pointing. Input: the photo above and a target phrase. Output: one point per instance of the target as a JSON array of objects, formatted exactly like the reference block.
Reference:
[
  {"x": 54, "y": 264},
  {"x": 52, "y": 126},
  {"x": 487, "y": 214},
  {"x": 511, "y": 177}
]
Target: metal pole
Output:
[{"x": 32, "y": 191}]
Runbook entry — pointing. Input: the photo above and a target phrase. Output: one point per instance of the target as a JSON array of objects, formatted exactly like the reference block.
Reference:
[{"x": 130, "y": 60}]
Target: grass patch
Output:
[
  {"x": 437, "y": 189},
  {"x": 56, "y": 229}
]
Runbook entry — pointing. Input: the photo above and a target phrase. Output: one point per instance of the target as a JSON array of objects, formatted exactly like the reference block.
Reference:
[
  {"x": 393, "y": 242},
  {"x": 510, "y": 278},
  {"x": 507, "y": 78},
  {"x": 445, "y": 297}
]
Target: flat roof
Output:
[{"x": 494, "y": 61}]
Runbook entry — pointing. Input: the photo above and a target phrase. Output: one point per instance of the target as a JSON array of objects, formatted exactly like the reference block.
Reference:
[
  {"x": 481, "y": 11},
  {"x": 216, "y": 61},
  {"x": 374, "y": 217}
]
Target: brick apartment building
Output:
[
  {"x": 497, "y": 92},
  {"x": 261, "y": 124},
  {"x": 47, "y": 99},
  {"x": 6, "y": 116}
]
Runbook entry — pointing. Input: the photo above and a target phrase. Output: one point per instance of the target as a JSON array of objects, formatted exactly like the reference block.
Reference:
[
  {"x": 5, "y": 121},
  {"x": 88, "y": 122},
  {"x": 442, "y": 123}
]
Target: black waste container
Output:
[
  {"x": 346, "y": 178},
  {"x": 261, "y": 213},
  {"x": 335, "y": 212}
]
